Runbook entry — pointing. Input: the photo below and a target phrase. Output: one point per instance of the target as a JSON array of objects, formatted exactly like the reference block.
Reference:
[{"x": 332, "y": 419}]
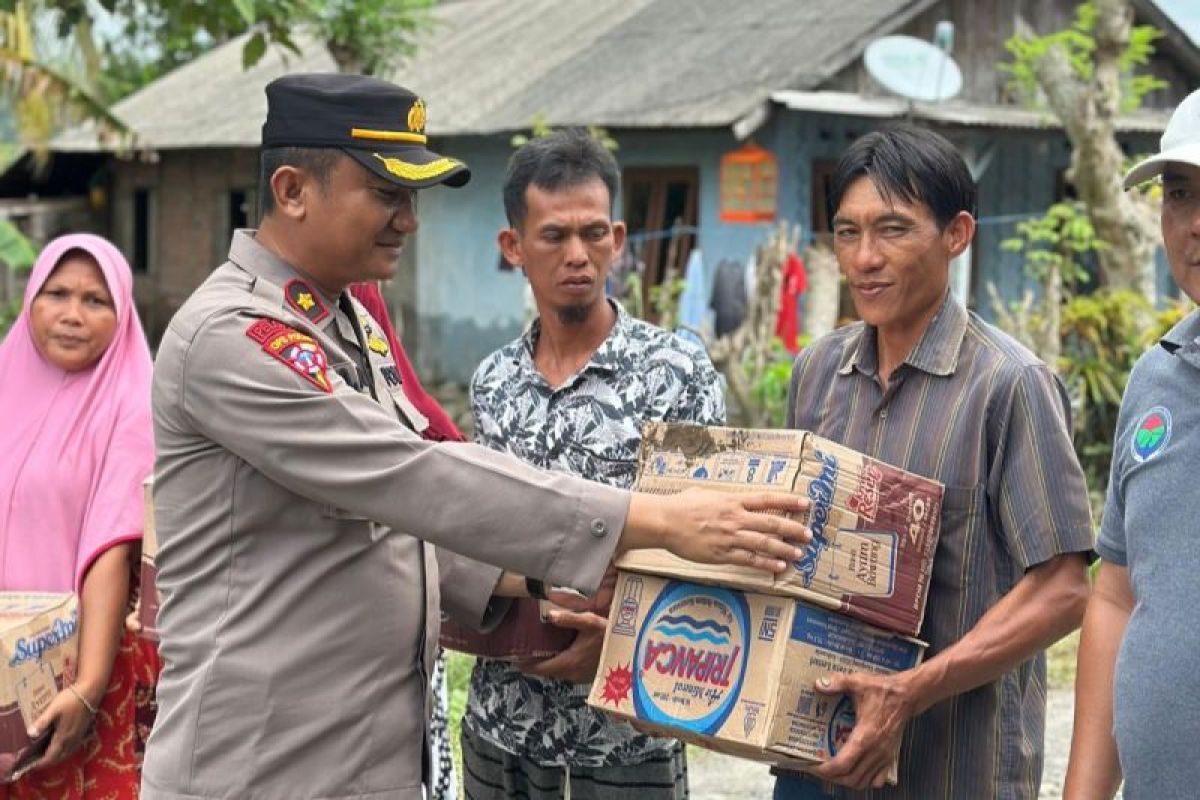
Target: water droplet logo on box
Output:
[
  {"x": 1152, "y": 433},
  {"x": 690, "y": 658}
]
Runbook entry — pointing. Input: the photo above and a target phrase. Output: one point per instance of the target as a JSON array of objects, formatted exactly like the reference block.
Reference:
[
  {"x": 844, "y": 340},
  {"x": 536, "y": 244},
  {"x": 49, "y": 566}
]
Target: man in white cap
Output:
[{"x": 1136, "y": 714}]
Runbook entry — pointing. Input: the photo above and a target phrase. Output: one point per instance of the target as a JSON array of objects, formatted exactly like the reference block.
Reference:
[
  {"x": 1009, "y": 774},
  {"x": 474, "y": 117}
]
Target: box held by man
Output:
[
  {"x": 875, "y": 527},
  {"x": 733, "y": 671}
]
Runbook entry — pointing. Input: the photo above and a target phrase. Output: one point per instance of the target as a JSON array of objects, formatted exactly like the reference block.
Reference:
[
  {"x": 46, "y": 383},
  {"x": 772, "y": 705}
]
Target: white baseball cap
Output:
[{"x": 1180, "y": 142}]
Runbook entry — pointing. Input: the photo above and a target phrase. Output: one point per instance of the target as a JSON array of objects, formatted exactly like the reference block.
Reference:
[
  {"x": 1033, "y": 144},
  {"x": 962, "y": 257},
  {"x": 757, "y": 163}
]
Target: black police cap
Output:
[{"x": 378, "y": 124}]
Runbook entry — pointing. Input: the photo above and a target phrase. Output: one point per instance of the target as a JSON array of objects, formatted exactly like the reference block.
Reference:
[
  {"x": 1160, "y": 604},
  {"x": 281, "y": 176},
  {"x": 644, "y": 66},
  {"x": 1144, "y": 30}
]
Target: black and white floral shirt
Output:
[{"x": 589, "y": 426}]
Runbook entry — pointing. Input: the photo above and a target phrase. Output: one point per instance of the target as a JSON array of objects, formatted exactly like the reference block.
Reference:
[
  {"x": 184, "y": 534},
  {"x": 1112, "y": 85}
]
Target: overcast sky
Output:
[{"x": 1186, "y": 14}]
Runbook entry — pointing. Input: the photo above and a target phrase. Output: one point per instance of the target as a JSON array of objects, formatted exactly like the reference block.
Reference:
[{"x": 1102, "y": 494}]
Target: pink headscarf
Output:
[{"x": 76, "y": 446}]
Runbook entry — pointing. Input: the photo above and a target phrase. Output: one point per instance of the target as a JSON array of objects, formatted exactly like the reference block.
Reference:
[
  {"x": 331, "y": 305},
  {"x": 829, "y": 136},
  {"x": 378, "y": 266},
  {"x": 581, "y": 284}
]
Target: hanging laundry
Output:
[
  {"x": 787, "y": 324},
  {"x": 728, "y": 300},
  {"x": 692, "y": 304}
]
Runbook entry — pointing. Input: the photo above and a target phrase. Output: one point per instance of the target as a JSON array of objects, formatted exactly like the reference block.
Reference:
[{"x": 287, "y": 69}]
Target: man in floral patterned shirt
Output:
[{"x": 571, "y": 395}]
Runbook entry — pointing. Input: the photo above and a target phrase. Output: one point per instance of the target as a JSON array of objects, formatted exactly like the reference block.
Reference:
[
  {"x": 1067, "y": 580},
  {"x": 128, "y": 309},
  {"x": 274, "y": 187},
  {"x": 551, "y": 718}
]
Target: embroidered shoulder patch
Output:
[
  {"x": 305, "y": 300},
  {"x": 298, "y": 351},
  {"x": 1152, "y": 433}
]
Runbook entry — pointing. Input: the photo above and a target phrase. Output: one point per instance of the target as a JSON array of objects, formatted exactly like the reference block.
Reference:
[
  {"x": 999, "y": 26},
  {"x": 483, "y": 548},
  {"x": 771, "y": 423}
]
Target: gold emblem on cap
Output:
[{"x": 416, "y": 116}]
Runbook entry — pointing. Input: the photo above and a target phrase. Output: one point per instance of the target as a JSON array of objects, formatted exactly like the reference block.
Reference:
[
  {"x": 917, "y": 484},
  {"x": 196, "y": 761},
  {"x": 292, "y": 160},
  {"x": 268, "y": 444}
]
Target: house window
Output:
[
  {"x": 661, "y": 212},
  {"x": 239, "y": 210},
  {"x": 822, "y": 187},
  {"x": 142, "y": 233}
]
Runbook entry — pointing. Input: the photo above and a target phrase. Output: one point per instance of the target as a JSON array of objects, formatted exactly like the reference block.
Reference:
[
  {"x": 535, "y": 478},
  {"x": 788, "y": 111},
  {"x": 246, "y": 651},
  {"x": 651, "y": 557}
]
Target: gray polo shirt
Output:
[{"x": 1150, "y": 527}]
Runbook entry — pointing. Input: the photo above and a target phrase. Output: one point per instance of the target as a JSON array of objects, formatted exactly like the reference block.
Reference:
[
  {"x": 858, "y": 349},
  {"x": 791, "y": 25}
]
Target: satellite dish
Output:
[{"x": 913, "y": 68}]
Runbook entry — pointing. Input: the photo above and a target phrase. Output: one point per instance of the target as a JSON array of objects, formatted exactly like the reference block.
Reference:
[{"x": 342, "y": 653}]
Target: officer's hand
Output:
[
  {"x": 720, "y": 527},
  {"x": 579, "y": 662},
  {"x": 882, "y": 707},
  {"x": 71, "y": 722}
]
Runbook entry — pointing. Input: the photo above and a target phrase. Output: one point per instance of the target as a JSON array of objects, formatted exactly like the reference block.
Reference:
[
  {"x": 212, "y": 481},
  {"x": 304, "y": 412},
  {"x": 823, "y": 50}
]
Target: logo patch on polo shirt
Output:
[
  {"x": 298, "y": 351},
  {"x": 1152, "y": 434},
  {"x": 304, "y": 300}
]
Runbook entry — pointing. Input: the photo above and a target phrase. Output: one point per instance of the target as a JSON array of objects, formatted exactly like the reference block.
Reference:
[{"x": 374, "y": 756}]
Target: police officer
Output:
[{"x": 293, "y": 494}]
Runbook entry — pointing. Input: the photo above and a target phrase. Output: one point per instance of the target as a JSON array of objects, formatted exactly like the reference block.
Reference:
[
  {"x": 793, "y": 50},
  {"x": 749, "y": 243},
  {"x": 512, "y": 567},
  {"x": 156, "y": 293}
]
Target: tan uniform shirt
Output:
[{"x": 298, "y": 614}]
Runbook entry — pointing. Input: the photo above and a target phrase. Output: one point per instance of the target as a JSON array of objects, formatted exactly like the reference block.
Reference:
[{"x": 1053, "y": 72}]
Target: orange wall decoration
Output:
[{"x": 749, "y": 181}]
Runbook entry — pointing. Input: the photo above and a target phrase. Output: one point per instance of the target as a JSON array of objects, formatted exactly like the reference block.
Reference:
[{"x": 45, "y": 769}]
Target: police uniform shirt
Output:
[{"x": 294, "y": 605}]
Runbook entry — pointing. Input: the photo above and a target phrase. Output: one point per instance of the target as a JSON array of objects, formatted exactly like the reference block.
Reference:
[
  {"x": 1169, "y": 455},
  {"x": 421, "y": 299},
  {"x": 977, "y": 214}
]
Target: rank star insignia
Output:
[
  {"x": 416, "y": 117},
  {"x": 304, "y": 301}
]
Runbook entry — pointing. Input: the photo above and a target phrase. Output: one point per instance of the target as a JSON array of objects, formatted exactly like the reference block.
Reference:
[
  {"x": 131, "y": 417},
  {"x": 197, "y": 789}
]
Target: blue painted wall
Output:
[{"x": 466, "y": 308}]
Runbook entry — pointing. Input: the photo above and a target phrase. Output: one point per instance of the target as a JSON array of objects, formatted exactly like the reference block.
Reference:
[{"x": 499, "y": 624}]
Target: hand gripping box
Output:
[
  {"x": 874, "y": 526},
  {"x": 147, "y": 609},
  {"x": 734, "y": 671},
  {"x": 39, "y": 650}
]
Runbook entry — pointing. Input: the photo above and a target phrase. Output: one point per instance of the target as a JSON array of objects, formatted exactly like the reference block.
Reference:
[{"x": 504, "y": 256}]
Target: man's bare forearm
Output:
[
  {"x": 1045, "y": 605},
  {"x": 1094, "y": 772}
]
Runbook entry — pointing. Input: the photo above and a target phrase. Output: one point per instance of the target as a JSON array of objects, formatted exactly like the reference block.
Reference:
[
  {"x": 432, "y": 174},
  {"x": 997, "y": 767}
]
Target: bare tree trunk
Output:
[
  {"x": 822, "y": 293},
  {"x": 349, "y": 61},
  {"x": 1050, "y": 345},
  {"x": 1088, "y": 111}
]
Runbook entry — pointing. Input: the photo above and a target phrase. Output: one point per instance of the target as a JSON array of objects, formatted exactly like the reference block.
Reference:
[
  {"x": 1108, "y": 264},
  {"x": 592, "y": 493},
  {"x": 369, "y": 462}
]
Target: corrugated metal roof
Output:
[
  {"x": 973, "y": 115},
  {"x": 491, "y": 65}
]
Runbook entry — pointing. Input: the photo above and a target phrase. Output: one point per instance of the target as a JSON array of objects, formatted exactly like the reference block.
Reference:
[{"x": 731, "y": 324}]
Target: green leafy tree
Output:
[
  {"x": 1055, "y": 247},
  {"x": 17, "y": 255},
  {"x": 45, "y": 86},
  {"x": 368, "y": 36},
  {"x": 1087, "y": 75}
]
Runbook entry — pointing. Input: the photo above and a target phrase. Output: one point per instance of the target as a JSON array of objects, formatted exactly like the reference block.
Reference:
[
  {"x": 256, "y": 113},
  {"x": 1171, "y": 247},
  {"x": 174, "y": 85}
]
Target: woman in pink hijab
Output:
[{"x": 77, "y": 444}]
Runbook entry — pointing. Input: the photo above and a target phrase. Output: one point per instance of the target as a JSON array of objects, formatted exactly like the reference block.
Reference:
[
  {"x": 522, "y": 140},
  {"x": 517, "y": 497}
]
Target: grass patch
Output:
[
  {"x": 1060, "y": 661},
  {"x": 458, "y": 676}
]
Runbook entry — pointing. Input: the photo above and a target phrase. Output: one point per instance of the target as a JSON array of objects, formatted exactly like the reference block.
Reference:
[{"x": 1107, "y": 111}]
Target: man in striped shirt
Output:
[{"x": 928, "y": 386}]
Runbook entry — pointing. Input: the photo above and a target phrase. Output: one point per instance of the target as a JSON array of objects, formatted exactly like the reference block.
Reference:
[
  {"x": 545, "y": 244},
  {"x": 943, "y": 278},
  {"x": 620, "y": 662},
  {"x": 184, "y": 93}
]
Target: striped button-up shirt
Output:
[{"x": 975, "y": 410}]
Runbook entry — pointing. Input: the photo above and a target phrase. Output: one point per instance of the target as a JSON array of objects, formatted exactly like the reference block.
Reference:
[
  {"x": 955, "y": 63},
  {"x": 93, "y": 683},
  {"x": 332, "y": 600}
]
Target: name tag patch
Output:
[{"x": 296, "y": 350}]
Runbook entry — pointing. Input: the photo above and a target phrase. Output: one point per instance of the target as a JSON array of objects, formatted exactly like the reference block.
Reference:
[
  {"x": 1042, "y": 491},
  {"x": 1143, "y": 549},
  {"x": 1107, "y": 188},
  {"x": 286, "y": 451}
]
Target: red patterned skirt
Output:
[{"x": 109, "y": 765}]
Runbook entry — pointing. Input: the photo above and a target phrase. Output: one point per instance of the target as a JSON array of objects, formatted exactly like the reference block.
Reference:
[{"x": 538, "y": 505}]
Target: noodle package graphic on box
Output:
[
  {"x": 39, "y": 649},
  {"x": 733, "y": 670},
  {"x": 875, "y": 527}
]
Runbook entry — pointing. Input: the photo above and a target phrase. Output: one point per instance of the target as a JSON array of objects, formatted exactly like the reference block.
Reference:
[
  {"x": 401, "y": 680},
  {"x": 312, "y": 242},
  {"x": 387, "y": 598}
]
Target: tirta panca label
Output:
[{"x": 690, "y": 658}]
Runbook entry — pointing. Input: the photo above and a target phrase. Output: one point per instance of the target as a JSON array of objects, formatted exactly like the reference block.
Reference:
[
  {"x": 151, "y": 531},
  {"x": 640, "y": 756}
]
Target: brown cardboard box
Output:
[
  {"x": 733, "y": 671},
  {"x": 875, "y": 527},
  {"x": 39, "y": 647},
  {"x": 520, "y": 635},
  {"x": 148, "y": 597}
]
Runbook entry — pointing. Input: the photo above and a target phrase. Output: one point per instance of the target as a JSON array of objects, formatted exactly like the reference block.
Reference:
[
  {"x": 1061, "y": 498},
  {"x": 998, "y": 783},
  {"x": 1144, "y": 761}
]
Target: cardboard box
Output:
[
  {"x": 39, "y": 647},
  {"x": 520, "y": 635},
  {"x": 875, "y": 527},
  {"x": 733, "y": 671},
  {"x": 148, "y": 597}
]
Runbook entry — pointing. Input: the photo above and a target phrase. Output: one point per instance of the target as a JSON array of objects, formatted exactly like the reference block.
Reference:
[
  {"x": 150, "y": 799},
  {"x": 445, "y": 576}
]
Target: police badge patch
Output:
[{"x": 298, "y": 351}]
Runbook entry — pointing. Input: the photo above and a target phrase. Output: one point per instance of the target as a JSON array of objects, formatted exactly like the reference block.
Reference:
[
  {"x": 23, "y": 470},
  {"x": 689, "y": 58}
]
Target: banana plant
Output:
[{"x": 45, "y": 95}]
